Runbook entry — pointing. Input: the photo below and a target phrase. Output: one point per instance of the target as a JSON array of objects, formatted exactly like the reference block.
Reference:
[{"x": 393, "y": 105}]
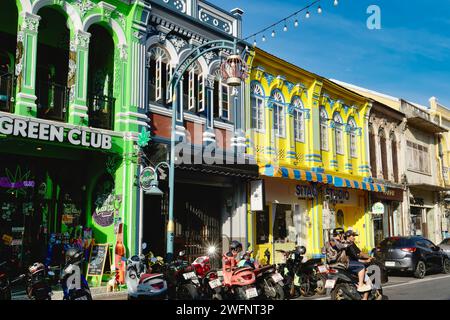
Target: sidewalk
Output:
[{"x": 97, "y": 292}]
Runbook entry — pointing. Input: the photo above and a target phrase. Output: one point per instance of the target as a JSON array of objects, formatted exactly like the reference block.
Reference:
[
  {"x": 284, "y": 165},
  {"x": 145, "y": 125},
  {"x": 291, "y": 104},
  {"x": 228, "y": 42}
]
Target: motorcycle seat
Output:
[{"x": 149, "y": 276}]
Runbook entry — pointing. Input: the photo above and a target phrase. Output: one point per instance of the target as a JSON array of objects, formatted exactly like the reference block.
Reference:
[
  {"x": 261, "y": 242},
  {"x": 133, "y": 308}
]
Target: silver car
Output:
[{"x": 445, "y": 246}]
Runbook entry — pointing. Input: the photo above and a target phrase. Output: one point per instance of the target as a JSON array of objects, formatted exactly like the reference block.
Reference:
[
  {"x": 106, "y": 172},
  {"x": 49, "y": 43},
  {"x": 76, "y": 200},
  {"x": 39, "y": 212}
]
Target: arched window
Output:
[
  {"x": 394, "y": 156},
  {"x": 194, "y": 89},
  {"x": 257, "y": 106},
  {"x": 279, "y": 118},
  {"x": 323, "y": 129},
  {"x": 373, "y": 153},
  {"x": 338, "y": 133},
  {"x": 383, "y": 154},
  {"x": 299, "y": 119},
  {"x": 352, "y": 137},
  {"x": 221, "y": 97},
  {"x": 159, "y": 73}
]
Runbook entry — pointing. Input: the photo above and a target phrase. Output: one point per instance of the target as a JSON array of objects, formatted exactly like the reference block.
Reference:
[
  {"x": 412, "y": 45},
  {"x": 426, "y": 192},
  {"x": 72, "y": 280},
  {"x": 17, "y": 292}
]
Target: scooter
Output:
[
  {"x": 342, "y": 284},
  {"x": 141, "y": 282},
  {"x": 238, "y": 282},
  {"x": 210, "y": 284},
  {"x": 268, "y": 281},
  {"x": 38, "y": 283},
  {"x": 184, "y": 283}
]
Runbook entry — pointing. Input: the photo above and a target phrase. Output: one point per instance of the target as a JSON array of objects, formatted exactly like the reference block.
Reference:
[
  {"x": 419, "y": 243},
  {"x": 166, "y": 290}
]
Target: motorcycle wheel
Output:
[
  {"x": 187, "y": 291},
  {"x": 320, "y": 286},
  {"x": 273, "y": 290},
  {"x": 305, "y": 286},
  {"x": 338, "y": 293}
]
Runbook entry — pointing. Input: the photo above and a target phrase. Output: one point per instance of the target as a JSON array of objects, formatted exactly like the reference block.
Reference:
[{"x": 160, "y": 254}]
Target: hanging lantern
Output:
[{"x": 234, "y": 70}]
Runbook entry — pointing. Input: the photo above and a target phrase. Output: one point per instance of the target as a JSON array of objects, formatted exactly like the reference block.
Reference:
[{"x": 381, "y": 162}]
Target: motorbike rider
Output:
[
  {"x": 232, "y": 255},
  {"x": 357, "y": 261},
  {"x": 335, "y": 249}
]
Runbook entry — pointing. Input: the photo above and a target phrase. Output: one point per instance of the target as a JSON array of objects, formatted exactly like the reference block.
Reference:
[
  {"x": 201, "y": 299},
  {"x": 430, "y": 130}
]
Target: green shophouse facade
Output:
[{"x": 70, "y": 114}]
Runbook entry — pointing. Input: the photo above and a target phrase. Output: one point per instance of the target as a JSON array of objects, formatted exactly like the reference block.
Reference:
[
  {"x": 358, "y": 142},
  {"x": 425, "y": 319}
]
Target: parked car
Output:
[
  {"x": 412, "y": 254},
  {"x": 445, "y": 245}
]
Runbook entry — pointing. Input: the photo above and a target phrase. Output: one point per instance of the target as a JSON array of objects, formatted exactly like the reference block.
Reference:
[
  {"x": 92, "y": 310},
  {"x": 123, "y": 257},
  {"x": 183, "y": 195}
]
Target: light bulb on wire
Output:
[
  {"x": 308, "y": 15},
  {"x": 336, "y": 2},
  {"x": 273, "y": 34},
  {"x": 319, "y": 10},
  {"x": 296, "y": 23},
  {"x": 254, "y": 43},
  {"x": 264, "y": 38},
  {"x": 285, "y": 28}
]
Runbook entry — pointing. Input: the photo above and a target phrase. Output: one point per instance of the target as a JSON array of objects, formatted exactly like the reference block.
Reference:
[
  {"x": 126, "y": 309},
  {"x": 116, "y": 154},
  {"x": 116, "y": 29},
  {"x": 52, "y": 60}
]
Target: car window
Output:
[
  {"x": 425, "y": 244},
  {"x": 395, "y": 243}
]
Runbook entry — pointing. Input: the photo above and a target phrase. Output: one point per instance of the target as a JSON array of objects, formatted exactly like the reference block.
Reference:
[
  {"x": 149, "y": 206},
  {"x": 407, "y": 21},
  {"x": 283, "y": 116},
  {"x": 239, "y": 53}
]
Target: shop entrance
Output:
[{"x": 418, "y": 222}]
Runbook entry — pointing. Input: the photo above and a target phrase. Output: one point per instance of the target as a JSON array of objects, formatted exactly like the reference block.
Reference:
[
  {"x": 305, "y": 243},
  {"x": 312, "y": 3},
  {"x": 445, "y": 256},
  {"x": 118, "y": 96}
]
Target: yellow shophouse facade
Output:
[{"x": 309, "y": 138}]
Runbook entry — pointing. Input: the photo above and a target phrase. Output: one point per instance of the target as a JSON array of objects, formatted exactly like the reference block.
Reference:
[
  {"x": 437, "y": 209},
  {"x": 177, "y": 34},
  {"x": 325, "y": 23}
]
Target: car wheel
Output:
[
  {"x": 421, "y": 270},
  {"x": 446, "y": 266}
]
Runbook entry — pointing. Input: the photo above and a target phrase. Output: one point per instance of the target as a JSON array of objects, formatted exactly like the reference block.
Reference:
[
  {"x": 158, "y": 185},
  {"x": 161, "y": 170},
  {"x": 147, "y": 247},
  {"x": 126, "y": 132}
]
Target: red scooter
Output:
[
  {"x": 238, "y": 282},
  {"x": 210, "y": 284}
]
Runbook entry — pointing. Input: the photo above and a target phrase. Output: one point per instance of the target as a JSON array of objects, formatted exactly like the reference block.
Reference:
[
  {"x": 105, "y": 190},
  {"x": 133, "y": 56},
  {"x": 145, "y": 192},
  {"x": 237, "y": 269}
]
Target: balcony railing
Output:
[
  {"x": 101, "y": 111},
  {"x": 7, "y": 92},
  {"x": 52, "y": 101}
]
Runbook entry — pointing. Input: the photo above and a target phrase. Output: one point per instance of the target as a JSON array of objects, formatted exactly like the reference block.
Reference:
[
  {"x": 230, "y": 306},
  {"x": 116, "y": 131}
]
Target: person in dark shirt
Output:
[{"x": 357, "y": 261}]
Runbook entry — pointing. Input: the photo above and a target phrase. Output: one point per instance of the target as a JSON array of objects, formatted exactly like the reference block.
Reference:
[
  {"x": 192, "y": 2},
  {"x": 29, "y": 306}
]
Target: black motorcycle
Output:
[
  {"x": 302, "y": 278},
  {"x": 342, "y": 284},
  {"x": 182, "y": 281},
  {"x": 38, "y": 282}
]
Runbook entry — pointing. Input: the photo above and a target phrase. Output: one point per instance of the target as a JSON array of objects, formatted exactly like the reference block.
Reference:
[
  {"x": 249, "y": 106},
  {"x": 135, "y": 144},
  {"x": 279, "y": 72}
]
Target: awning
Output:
[{"x": 305, "y": 175}]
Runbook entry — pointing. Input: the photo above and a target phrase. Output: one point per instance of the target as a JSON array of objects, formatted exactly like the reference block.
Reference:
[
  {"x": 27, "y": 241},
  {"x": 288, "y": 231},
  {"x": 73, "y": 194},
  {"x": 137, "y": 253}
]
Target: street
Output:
[{"x": 432, "y": 287}]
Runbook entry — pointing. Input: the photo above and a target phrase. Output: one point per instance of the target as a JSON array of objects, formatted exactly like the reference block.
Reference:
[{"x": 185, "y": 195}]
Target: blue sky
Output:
[{"x": 408, "y": 58}]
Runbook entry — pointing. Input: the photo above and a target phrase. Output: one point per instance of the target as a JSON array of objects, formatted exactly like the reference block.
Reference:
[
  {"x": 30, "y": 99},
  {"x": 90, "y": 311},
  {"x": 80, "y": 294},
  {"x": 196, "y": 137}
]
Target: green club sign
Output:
[{"x": 146, "y": 177}]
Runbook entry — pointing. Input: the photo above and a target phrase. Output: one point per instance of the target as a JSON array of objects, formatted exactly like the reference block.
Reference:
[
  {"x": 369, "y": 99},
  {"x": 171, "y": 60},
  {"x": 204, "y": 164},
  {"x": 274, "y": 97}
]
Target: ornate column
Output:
[
  {"x": 78, "y": 78},
  {"x": 26, "y": 53},
  {"x": 238, "y": 140},
  {"x": 209, "y": 135}
]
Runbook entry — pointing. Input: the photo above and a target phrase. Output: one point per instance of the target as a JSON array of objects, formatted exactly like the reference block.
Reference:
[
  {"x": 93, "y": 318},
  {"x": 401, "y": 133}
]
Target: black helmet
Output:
[
  {"x": 338, "y": 231},
  {"x": 235, "y": 245},
  {"x": 301, "y": 250},
  {"x": 74, "y": 255}
]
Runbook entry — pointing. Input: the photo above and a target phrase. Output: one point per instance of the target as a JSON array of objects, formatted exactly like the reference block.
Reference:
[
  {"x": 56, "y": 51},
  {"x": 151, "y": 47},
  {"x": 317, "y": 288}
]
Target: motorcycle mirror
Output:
[
  {"x": 51, "y": 273},
  {"x": 144, "y": 245},
  {"x": 182, "y": 253}
]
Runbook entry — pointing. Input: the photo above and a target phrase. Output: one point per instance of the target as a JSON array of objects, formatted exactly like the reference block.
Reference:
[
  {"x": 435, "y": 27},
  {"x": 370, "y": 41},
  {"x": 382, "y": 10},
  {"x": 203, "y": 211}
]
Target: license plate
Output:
[
  {"x": 390, "y": 263},
  {"x": 251, "y": 293},
  {"x": 322, "y": 269},
  {"x": 215, "y": 283},
  {"x": 189, "y": 275},
  {"x": 329, "y": 284},
  {"x": 277, "y": 277}
]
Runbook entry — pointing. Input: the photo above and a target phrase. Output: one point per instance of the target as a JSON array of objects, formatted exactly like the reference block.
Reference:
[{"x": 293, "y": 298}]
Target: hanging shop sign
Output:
[
  {"x": 257, "y": 195},
  {"x": 378, "y": 208},
  {"x": 49, "y": 132},
  {"x": 146, "y": 177},
  {"x": 306, "y": 191}
]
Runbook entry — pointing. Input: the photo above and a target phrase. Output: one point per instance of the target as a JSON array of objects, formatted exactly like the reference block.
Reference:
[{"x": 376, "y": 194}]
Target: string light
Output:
[
  {"x": 254, "y": 43},
  {"x": 273, "y": 26}
]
